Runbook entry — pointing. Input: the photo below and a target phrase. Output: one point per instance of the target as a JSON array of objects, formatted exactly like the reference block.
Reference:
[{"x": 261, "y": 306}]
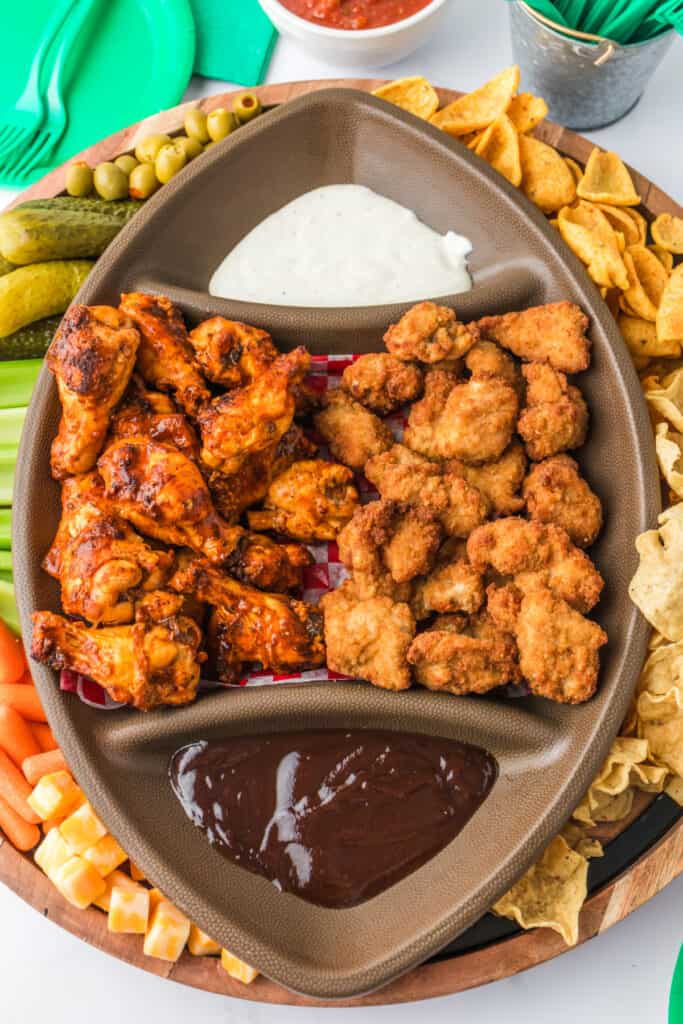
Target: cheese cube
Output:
[
  {"x": 199, "y": 943},
  {"x": 52, "y": 854},
  {"x": 155, "y": 898},
  {"x": 55, "y": 795},
  {"x": 128, "y": 911},
  {"x": 51, "y": 823},
  {"x": 136, "y": 873},
  {"x": 237, "y": 968},
  {"x": 82, "y": 829},
  {"x": 168, "y": 932},
  {"x": 79, "y": 883},
  {"x": 106, "y": 855},
  {"x": 119, "y": 879}
]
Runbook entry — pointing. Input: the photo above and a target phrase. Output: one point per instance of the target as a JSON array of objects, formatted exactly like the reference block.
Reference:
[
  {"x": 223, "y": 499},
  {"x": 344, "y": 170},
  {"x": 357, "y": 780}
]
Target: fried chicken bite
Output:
[
  {"x": 472, "y": 420},
  {"x": 452, "y": 586},
  {"x": 146, "y": 664},
  {"x": 554, "y": 334},
  {"x": 368, "y": 638},
  {"x": 402, "y": 475},
  {"x": 476, "y": 660},
  {"x": 152, "y": 414},
  {"x": 558, "y": 648},
  {"x": 92, "y": 356},
  {"x": 260, "y": 562},
  {"x": 498, "y": 482},
  {"x": 386, "y": 536},
  {"x": 429, "y": 333},
  {"x": 102, "y": 565},
  {"x": 162, "y": 493},
  {"x": 555, "y": 417},
  {"x": 312, "y": 500},
  {"x": 252, "y": 419},
  {"x": 555, "y": 492},
  {"x": 503, "y": 602},
  {"x": 486, "y": 359},
  {"x": 230, "y": 353},
  {"x": 382, "y": 382},
  {"x": 165, "y": 356},
  {"x": 353, "y": 433},
  {"x": 537, "y": 556},
  {"x": 278, "y": 632}
]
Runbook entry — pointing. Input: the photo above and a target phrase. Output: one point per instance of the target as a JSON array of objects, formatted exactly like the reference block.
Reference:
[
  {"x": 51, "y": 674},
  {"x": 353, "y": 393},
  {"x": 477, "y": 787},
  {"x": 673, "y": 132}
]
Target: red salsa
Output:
[{"x": 354, "y": 14}]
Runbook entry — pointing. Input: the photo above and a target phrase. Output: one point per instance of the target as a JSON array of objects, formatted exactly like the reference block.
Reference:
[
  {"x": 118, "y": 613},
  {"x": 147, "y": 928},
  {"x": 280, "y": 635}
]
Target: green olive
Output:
[
  {"x": 195, "y": 125},
  {"x": 79, "y": 179},
  {"x": 220, "y": 123},
  {"x": 246, "y": 106},
  {"x": 142, "y": 181},
  {"x": 190, "y": 146},
  {"x": 170, "y": 160},
  {"x": 126, "y": 163},
  {"x": 146, "y": 151},
  {"x": 110, "y": 181}
]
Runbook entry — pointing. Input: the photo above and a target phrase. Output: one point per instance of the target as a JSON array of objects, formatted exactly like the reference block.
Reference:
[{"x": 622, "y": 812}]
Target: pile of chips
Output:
[{"x": 633, "y": 262}]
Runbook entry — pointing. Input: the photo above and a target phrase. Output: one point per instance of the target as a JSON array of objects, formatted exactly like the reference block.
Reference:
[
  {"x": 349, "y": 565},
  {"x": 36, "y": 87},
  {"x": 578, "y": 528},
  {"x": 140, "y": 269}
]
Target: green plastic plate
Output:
[{"x": 135, "y": 59}]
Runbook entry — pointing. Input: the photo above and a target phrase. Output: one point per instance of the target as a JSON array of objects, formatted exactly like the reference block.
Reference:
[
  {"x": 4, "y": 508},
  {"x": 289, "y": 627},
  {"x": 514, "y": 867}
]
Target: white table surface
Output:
[{"x": 624, "y": 975}]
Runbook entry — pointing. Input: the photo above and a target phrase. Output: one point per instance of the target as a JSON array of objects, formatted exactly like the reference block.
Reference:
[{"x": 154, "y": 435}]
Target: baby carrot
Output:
[
  {"x": 42, "y": 764},
  {"x": 23, "y": 699},
  {"x": 14, "y": 789},
  {"x": 44, "y": 736},
  {"x": 12, "y": 657},
  {"x": 20, "y": 833},
  {"x": 16, "y": 738}
]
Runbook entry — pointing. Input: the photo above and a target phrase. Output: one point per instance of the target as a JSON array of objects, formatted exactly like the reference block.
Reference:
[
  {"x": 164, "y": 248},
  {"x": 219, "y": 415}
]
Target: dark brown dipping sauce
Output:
[{"x": 334, "y": 816}]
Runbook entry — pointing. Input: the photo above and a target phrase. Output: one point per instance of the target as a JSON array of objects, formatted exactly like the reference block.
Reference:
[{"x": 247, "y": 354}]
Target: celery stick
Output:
[
  {"x": 8, "y": 461},
  {"x": 17, "y": 379},
  {"x": 8, "y": 607},
  {"x": 5, "y": 576},
  {"x": 5, "y": 561},
  {"x": 11, "y": 425},
  {"x": 5, "y": 529}
]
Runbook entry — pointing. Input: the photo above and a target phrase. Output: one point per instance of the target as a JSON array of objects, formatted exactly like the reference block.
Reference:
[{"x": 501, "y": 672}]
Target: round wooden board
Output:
[{"x": 654, "y": 870}]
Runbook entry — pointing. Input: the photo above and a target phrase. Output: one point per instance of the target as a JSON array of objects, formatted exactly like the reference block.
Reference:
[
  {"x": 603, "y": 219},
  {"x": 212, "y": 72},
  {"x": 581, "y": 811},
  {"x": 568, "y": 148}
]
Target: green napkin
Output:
[{"x": 234, "y": 40}]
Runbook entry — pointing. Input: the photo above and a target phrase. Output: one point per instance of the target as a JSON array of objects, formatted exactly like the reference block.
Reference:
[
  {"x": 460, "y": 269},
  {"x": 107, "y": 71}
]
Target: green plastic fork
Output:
[{"x": 19, "y": 124}]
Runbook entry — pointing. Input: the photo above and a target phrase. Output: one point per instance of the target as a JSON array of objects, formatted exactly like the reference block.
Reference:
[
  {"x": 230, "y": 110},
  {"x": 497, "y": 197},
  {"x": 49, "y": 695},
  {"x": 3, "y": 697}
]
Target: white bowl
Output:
[{"x": 373, "y": 47}]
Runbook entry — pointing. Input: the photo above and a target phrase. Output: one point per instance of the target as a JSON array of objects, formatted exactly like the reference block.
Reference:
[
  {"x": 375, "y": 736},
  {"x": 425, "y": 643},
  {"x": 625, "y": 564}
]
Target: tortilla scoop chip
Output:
[
  {"x": 647, "y": 281},
  {"x": 664, "y": 257},
  {"x": 656, "y": 586},
  {"x": 665, "y": 397},
  {"x": 416, "y": 95},
  {"x": 546, "y": 179},
  {"x": 669, "y": 448},
  {"x": 667, "y": 232},
  {"x": 526, "y": 111},
  {"x": 499, "y": 146},
  {"x": 607, "y": 180},
  {"x": 621, "y": 220},
  {"x": 590, "y": 235},
  {"x": 641, "y": 337},
  {"x": 479, "y": 108},
  {"x": 660, "y": 707},
  {"x": 670, "y": 313},
  {"x": 551, "y": 893},
  {"x": 576, "y": 169}
]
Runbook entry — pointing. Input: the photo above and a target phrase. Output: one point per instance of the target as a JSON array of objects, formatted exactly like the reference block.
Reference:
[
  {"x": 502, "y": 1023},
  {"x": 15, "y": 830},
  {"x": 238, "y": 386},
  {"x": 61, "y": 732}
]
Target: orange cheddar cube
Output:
[
  {"x": 79, "y": 883},
  {"x": 237, "y": 968},
  {"x": 136, "y": 873},
  {"x": 128, "y": 910},
  {"x": 155, "y": 898},
  {"x": 82, "y": 829},
  {"x": 52, "y": 854},
  {"x": 106, "y": 855},
  {"x": 199, "y": 943},
  {"x": 119, "y": 879},
  {"x": 56, "y": 795},
  {"x": 168, "y": 932}
]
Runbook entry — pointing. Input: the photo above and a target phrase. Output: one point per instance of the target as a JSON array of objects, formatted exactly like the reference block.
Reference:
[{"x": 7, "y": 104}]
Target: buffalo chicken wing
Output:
[
  {"x": 230, "y": 353},
  {"x": 310, "y": 501}
]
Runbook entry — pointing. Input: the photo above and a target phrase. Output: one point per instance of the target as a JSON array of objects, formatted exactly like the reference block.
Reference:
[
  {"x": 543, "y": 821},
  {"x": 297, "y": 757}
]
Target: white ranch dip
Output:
[{"x": 343, "y": 245}]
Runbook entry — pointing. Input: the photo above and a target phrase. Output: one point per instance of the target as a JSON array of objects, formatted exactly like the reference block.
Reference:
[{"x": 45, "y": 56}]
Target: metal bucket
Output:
[{"x": 587, "y": 81}]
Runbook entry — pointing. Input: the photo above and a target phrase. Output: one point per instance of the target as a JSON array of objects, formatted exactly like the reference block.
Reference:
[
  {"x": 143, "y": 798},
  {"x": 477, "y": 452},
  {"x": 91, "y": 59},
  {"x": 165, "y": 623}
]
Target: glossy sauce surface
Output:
[
  {"x": 335, "y": 816},
  {"x": 354, "y": 14}
]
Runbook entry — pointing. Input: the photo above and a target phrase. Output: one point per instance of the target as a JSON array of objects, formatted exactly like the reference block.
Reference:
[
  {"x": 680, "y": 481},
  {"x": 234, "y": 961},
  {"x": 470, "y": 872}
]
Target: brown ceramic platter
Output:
[{"x": 547, "y": 753}]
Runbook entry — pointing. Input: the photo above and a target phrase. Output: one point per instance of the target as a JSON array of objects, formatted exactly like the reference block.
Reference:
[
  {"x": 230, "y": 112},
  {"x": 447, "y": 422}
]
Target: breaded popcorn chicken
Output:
[
  {"x": 469, "y": 420},
  {"x": 429, "y": 334},
  {"x": 486, "y": 359},
  {"x": 555, "y": 418},
  {"x": 353, "y": 433},
  {"x": 558, "y": 648},
  {"x": 502, "y": 604},
  {"x": 498, "y": 482},
  {"x": 368, "y": 638},
  {"x": 452, "y": 586},
  {"x": 382, "y": 382},
  {"x": 537, "y": 556},
  {"x": 555, "y": 492},
  {"x": 386, "y": 536},
  {"x": 554, "y": 334},
  {"x": 476, "y": 660}
]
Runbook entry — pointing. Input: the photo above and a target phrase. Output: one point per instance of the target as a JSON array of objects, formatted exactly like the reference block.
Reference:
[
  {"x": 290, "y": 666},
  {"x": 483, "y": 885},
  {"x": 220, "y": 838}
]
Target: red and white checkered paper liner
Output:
[{"x": 325, "y": 574}]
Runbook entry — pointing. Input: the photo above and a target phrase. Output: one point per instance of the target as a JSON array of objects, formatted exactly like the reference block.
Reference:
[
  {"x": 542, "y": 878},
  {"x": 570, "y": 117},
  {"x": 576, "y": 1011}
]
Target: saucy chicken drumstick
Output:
[
  {"x": 312, "y": 500},
  {"x": 230, "y": 353},
  {"x": 92, "y": 357},
  {"x": 152, "y": 414}
]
